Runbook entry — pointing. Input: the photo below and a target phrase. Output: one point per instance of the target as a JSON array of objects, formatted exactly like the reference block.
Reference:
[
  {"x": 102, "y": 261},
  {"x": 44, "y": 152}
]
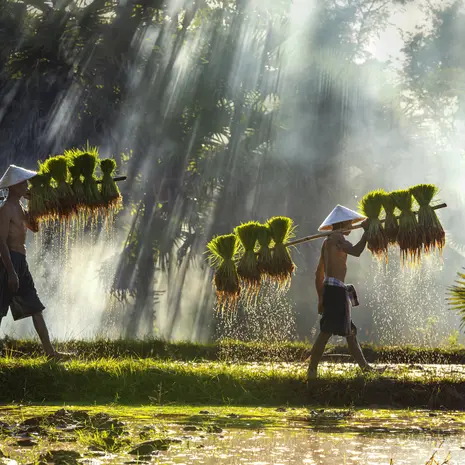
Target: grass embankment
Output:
[
  {"x": 161, "y": 382},
  {"x": 234, "y": 351}
]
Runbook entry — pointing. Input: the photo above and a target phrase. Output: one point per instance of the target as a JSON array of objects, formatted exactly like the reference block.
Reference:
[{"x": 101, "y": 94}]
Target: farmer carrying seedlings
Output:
[
  {"x": 334, "y": 296},
  {"x": 17, "y": 290}
]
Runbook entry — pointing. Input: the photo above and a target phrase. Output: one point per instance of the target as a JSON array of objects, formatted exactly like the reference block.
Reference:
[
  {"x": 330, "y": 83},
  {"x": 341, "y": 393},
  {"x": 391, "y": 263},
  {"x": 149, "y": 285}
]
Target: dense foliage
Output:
[{"x": 219, "y": 111}]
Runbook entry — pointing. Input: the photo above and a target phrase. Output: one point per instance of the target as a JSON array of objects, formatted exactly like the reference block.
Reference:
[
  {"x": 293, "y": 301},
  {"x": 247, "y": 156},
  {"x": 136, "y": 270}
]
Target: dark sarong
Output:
[
  {"x": 336, "y": 313},
  {"x": 25, "y": 302}
]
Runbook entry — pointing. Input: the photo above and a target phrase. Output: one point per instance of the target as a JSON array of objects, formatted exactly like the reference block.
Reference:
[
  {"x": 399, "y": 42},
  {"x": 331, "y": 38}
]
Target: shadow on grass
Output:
[
  {"x": 234, "y": 351},
  {"x": 140, "y": 382}
]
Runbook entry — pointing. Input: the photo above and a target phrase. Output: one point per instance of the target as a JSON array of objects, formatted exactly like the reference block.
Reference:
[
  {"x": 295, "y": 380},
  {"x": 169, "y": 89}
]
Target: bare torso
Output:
[
  {"x": 335, "y": 259},
  {"x": 16, "y": 240}
]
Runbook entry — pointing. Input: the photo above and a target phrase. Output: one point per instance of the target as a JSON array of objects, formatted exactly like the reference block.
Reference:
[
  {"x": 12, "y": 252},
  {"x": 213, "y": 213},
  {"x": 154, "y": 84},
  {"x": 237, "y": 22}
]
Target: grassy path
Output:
[
  {"x": 234, "y": 351},
  {"x": 145, "y": 380}
]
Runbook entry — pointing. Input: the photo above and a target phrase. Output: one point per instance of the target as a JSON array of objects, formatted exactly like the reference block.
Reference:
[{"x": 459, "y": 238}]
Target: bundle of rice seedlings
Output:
[
  {"x": 58, "y": 168},
  {"x": 222, "y": 250},
  {"x": 247, "y": 266},
  {"x": 109, "y": 191},
  {"x": 37, "y": 206},
  {"x": 50, "y": 196},
  {"x": 370, "y": 206},
  {"x": 87, "y": 161},
  {"x": 391, "y": 225},
  {"x": 265, "y": 257},
  {"x": 408, "y": 238},
  {"x": 281, "y": 265},
  {"x": 429, "y": 227},
  {"x": 76, "y": 183}
]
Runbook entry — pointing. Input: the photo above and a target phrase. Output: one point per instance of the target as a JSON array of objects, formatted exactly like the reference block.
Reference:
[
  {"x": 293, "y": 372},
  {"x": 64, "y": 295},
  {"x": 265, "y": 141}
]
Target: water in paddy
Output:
[
  {"x": 312, "y": 448},
  {"x": 223, "y": 435}
]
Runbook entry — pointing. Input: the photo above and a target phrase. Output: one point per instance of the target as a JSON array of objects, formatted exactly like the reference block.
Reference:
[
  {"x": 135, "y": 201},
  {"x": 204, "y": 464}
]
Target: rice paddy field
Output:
[{"x": 120, "y": 402}]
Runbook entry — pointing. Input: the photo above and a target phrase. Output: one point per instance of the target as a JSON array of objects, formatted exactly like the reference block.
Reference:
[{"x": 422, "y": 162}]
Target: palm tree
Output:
[{"x": 456, "y": 297}]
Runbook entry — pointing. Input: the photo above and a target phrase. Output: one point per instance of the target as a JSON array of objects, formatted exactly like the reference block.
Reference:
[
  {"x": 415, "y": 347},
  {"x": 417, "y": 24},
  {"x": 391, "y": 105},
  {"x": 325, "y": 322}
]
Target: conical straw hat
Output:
[
  {"x": 15, "y": 175},
  {"x": 339, "y": 215}
]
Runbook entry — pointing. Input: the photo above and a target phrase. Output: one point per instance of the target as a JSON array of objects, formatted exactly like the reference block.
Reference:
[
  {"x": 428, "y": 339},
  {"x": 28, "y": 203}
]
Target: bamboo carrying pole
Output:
[
  {"x": 117, "y": 179},
  {"x": 327, "y": 233}
]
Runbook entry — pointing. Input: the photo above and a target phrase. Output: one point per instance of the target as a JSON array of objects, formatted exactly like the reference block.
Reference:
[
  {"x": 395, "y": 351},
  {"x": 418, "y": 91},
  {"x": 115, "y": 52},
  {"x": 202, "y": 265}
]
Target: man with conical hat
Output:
[
  {"x": 334, "y": 296},
  {"x": 17, "y": 289}
]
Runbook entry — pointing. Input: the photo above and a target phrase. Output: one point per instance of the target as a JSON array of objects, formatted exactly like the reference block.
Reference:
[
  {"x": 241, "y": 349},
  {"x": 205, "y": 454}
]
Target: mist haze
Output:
[{"x": 225, "y": 112}]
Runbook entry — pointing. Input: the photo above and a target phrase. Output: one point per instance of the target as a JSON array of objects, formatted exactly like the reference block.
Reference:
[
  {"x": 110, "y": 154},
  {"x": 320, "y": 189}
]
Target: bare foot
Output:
[
  {"x": 312, "y": 374},
  {"x": 374, "y": 370},
  {"x": 61, "y": 356}
]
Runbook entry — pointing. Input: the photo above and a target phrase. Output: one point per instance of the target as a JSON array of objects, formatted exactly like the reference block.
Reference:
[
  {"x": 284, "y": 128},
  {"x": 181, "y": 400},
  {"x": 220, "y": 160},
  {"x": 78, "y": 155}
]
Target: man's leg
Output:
[
  {"x": 356, "y": 350},
  {"x": 42, "y": 331},
  {"x": 316, "y": 354}
]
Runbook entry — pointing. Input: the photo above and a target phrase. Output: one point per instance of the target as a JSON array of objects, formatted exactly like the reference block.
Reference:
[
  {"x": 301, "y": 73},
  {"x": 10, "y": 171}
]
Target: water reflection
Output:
[{"x": 286, "y": 447}]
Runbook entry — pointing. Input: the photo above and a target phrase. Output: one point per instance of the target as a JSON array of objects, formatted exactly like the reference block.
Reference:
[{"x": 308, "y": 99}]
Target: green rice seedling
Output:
[
  {"x": 281, "y": 266},
  {"x": 223, "y": 250},
  {"x": 109, "y": 191},
  {"x": 408, "y": 238},
  {"x": 88, "y": 163},
  {"x": 265, "y": 256},
  {"x": 50, "y": 196},
  {"x": 429, "y": 227},
  {"x": 76, "y": 182},
  {"x": 58, "y": 167},
  {"x": 247, "y": 266},
  {"x": 370, "y": 206},
  {"x": 391, "y": 224},
  {"x": 37, "y": 205}
]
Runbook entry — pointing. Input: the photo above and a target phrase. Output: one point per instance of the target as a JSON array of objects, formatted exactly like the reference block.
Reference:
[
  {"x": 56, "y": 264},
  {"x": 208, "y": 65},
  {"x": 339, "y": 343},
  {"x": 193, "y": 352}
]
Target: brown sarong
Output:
[
  {"x": 336, "y": 318},
  {"x": 25, "y": 302}
]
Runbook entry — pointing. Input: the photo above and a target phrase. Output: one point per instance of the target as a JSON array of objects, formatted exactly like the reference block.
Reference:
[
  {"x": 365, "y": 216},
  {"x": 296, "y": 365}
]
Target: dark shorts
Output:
[
  {"x": 25, "y": 302},
  {"x": 335, "y": 319}
]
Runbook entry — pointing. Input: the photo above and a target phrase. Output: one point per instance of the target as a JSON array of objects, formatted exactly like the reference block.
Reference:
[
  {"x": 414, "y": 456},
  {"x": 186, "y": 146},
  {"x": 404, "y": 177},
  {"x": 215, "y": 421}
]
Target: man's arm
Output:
[
  {"x": 5, "y": 219},
  {"x": 319, "y": 280},
  {"x": 320, "y": 276},
  {"x": 31, "y": 224},
  {"x": 354, "y": 250}
]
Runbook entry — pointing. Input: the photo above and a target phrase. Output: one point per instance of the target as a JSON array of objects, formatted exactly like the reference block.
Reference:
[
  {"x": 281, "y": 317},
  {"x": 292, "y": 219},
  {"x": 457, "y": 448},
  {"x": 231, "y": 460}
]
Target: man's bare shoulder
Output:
[{"x": 335, "y": 237}]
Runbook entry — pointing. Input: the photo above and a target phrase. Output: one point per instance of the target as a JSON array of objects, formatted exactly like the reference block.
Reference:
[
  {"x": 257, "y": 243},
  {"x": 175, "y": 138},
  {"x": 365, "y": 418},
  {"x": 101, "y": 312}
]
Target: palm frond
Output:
[{"x": 456, "y": 299}]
